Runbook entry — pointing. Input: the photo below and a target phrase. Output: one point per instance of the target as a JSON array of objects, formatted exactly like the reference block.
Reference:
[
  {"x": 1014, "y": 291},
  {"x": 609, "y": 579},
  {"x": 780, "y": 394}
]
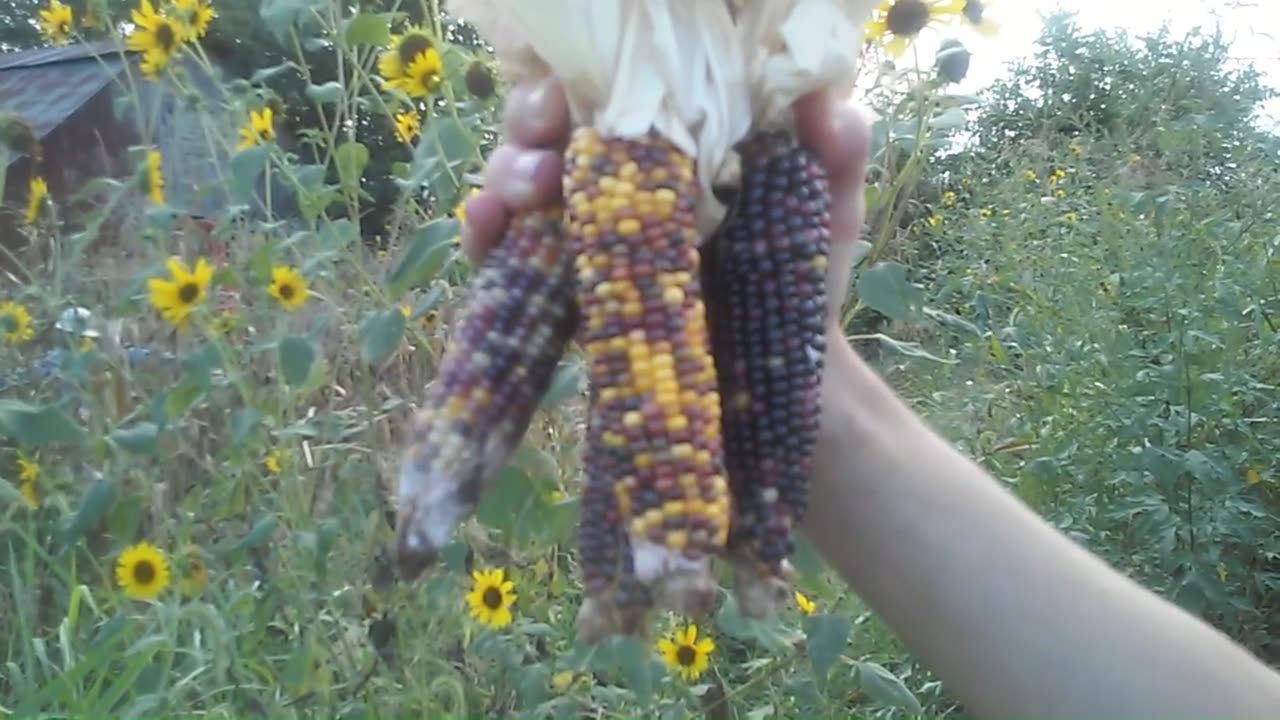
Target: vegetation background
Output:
[{"x": 1074, "y": 275}]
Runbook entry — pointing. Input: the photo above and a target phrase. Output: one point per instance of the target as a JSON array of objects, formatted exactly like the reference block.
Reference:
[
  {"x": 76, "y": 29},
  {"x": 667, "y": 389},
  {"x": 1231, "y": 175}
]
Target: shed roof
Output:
[{"x": 47, "y": 85}]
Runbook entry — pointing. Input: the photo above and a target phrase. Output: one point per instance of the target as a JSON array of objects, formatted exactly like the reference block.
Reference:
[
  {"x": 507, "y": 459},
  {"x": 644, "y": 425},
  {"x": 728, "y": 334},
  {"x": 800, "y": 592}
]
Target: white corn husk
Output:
[
  {"x": 794, "y": 47},
  {"x": 628, "y": 66}
]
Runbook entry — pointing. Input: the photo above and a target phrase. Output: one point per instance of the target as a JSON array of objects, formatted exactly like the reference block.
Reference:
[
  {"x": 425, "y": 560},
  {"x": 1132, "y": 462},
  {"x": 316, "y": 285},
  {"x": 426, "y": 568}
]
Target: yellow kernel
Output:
[
  {"x": 668, "y": 401},
  {"x": 703, "y": 458},
  {"x": 677, "y": 539},
  {"x": 607, "y": 184},
  {"x": 624, "y": 187},
  {"x": 613, "y": 439},
  {"x": 643, "y": 460},
  {"x": 609, "y": 394},
  {"x": 820, "y": 262},
  {"x": 665, "y": 196},
  {"x": 628, "y": 171},
  {"x": 673, "y": 295},
  {"x": 682, "y": 451},
  {"x": 673, "y": 508},
  {"x": 632, "y": 419},
  {"x": 653, "y": 517},
  {"x": 664, "y": 360},
  {"x": 632, "y": 309},
  {"x": 604, "y": 289},
  {"x": 676, "y": 423},
  {"x": 617, "y": 343},
  {"x": 668, "y": 387},
  {"x": 637, "y": 526},
  {"x": 628, "y": 226}
]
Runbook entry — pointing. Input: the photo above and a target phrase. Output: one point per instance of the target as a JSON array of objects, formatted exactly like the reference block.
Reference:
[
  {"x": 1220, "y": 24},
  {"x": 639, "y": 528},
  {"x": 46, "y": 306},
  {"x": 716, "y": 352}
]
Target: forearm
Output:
[{"x": 1015, "y": 618}]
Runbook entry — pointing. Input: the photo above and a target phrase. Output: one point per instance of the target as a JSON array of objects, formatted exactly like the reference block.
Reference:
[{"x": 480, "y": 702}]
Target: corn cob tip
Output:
[{"x": 430, "y": 508}]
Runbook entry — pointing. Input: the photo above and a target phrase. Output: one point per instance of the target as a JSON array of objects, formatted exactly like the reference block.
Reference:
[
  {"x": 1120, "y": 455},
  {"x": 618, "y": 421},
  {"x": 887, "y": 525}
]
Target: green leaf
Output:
[
  {"x": 280, "y": 15},
  {"x": 884, "y": 288},
  {"x": 296, "y": 356},
  {"x": 180, "y": 399},
  {"x": 368, "y": 29},
  {"x": 139, "y": 438},
  {"x": 259, "y": 534},
  {"x": 380, "y": 335},
  {"x": 950, "y": 119},
  {"x": 808, "y": 563},
  {"x": 266, "y": 73},
  {"x": 426, "y": 254},
  {"x": 38, "y": 425},
  {"x": 885, "y": 688},
  {"x": 825, "y": 640},
  {"x": 93, "y": 506},
  {"x": 247, "y": 166},
  {"x": 242, "y": 423},
  {"x": 769, "y": 635},
  {"x": 532, "y": 684},
  {"x": 351, "y": 158},
  {"x": 326, "y": 94},
  {"x": 565, "y": 383}
]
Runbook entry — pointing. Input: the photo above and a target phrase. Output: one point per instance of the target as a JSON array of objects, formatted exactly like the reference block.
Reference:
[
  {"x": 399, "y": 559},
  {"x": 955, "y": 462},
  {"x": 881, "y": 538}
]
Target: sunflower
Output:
[
  {"x": 194, "y": 575},
  {"x": 176, "y": 298},
  {"x": 272, "y": 461},
  {"x": 975, "y": 13},
  {"x": 412, "y": 63},
  {"x": 156, "y": 36},
  {"x": 56, "y": 22},
  {"x": 142, "y": 571},
  {"x": 258, "y": 130},
  {"x": 685, "y": 653},
  {"x": 903, "y": 20},
  {"x": 408, "y": 126},
  {"x": 288, "y": 286},
  {"x": 155, "y": 178},
  {"x": 15, "y": 323},
  {"x": 28, "y": 474},
  {"x": 193, "y": 18},
  {"x": 491, "y": 597},
  {"x": 806, "y": 605},
  {"x": 37, "y": 191}
]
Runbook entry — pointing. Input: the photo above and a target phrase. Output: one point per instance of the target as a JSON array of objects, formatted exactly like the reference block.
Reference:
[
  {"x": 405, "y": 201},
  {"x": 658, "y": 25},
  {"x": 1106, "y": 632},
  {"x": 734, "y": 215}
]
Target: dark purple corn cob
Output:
[
  {"x": 520, "y": 316},
  {"x": 770, "y": 260}
]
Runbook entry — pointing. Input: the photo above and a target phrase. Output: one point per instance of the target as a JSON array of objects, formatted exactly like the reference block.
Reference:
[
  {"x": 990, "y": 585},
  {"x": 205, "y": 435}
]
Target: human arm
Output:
[{"x": 1013, "y": 617}]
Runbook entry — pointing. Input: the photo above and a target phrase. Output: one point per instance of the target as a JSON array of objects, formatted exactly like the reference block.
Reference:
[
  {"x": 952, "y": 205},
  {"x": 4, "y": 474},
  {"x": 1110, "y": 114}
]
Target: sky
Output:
[{"x": 1252, "y": 26}]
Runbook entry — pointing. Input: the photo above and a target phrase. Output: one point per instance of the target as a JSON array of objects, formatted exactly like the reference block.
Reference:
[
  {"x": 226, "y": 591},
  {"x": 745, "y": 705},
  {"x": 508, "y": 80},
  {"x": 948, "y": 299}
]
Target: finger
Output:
[
  {"x": 487, "y": 217},
  {"x": 537, "y": 114}
]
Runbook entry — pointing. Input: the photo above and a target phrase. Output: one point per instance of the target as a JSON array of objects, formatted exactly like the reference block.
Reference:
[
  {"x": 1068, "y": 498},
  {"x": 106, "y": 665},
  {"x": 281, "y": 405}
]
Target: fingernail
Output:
[
  {"x": 536, "y": 109},
  {"x": 521, "y": 188}
]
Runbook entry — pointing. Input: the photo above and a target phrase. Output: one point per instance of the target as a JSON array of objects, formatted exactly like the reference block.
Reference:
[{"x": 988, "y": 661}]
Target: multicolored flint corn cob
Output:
[
  {"x": 518, "y": 321},
  {"x": 768, "y": 269},
  {"x": 656, "y": 471}
]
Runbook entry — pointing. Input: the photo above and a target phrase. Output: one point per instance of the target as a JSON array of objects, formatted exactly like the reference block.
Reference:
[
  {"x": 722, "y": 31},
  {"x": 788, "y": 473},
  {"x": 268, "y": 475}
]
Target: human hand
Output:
[{"x": 524, "y": 173}]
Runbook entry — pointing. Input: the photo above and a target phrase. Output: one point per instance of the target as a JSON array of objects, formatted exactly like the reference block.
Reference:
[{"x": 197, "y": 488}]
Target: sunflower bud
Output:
[
  {"x": 479, "y": 80},
  {"x": 952, "y": 61}
]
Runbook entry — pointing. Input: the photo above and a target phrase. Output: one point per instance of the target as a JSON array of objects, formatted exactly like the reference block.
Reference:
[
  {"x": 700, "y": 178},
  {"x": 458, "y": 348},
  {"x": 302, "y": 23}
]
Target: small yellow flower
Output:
[
  {"x": 56, "y": 22},
  {"x": 258, "y": 130},
  {"x": 272, "y": 461},
  {"x": 289, "y": 287},
  {"x": 491, "y": 598},
  {"x": 895, "y": 23},
  {"x": 15, "y": 323},
  {"x": 1076, "y": 149},
  {"x": 1030, "y": 175},
  {"x": 948, "y": 199},
  {"x": 985, "y": 212},
  {"x": 178, "y": 297},
  {"x": 156, "y": 36},
  {"x": 142, "y": 571},
  {"x": 412, "y": 63},
  {"x": 806, "y": 605},
  {"x": 685, "y": 653},
  {"x": 406, "y": 310},
  {"x": 194, "y": 574},
  {"x": 1222, "y": 572},
  {"x": 37, "y": 191},
  {"x": 193, "y": 17},
  {"x": 935, "y": 220},
  {"x": 1057, "y": 176},
  {"x": 408, "y": 126},
  {"x": 155, "y": 178},
  {"x": 1070, "y": 218},
  {"x": 30, "y": 494},
  {"x": 430, "y": 318},
  {"x": 28, "y": 474},
  {"x": 226, "y": 322},
  {"x": 563, "y": 680},
  {"x": 87, "y": 344},
  {"x": 1251, "y": 476}
]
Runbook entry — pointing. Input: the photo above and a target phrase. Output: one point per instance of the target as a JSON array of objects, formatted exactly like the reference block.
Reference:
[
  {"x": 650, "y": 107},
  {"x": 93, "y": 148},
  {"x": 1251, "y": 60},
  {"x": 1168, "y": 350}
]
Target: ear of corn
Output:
[
  {"x": 504, "y": 350},
  {"x": 655, "y": 438},
  {"x": 769, "y": 271}
]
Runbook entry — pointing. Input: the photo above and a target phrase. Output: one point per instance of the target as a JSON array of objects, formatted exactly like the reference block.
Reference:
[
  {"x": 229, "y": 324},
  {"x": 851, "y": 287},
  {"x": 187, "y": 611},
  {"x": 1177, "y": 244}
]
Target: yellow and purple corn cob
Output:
[
  {"x": 654, "y": 440},
  {"x": 769, "y": 271},
  {"x": 518, "y": 321}
]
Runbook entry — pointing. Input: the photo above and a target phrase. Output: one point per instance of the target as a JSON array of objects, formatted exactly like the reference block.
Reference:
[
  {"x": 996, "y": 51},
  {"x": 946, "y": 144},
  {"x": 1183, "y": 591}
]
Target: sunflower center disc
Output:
[
  {"x": 492, "y": 598},
  {"x": 907, "y": 17},
  {"x": 144, "y": 573},
  {"x": 685, "y": 655}
]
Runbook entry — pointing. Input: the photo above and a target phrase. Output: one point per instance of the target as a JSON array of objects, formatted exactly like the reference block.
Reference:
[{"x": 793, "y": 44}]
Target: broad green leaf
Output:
[
  {"x": 93, "y": 506},
  {"x": 38, "y": 425},
  {"x": 243, "y": 422},
  {"x": 351, "y": 159},
  {"x": 247, "y": 166},
  {"x": 825, "y": 640},
  {"x": 885, "y": 289},
  {"x": 380, "y": 335},
  {"x": 640, "y": 668},
  {"x": 808, "y": 563},
  {"x": 180, "y": 399},
  {"x": 258, "y": 535},
  {"x": 454, "y": 556},
  {"x": 533, "y": 684},
  {"x": 139, "y": 438},
  {"x": 296, "y": 357},
  {"x": 950, "y": 119},
  {"x": 368, "y": 29},
  {"x": 426, "y": 254},
  {"x": 280, "y": 15},
  {"x": 885, "y": 688},
  {"x": 326, "y": 94}
]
